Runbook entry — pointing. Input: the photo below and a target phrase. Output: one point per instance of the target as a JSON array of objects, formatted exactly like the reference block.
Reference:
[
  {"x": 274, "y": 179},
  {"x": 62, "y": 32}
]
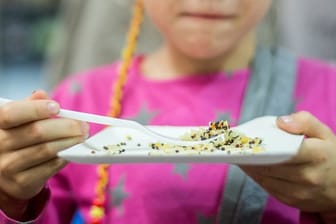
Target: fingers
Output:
[
  {"x": 41, "y": 131},
  {"x": 14, "y": 114},
  {"x": 28, "y": 183},
  {"x": 30, "y": 141},
  {"x": 45, "y": 170},
  {"x": 300, "y": 174},
  {"x": 302, "y": 168},
  {"x": 290, "y": 193},
  {"x": 18, "y": 161},
  {"x": 312, "y": 151},
  {"x": 306, "y": 124}
]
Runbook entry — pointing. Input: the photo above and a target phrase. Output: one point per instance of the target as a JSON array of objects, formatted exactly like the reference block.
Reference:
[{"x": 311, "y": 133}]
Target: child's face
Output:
[{"x": 205, "y": 29}]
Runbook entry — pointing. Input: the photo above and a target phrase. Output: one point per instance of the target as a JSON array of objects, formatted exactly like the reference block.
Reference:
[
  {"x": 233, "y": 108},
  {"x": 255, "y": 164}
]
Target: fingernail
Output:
[
  {"x": 53, "y": 108},
  {"x": 34, "y": 91},
  {"x": 286, "y": 119},
  {"x": 85, "y": 129}
]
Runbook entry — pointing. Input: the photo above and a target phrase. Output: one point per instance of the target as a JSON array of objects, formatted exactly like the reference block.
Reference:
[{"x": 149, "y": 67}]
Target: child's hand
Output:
[
  {"x": 307, "y": 181},
  {"x": 29, "y": 143}
]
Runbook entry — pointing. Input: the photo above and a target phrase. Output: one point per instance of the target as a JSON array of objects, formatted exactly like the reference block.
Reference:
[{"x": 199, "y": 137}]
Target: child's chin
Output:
[
  {"x": 203, "y": 51},
  {"x": 201, "y": 54}
]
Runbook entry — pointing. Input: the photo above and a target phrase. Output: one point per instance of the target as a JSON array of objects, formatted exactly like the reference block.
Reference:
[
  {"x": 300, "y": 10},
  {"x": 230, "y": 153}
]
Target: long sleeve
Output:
[
  {"x": 54, "y": 205},
  {"x": 61, "y": 206},
  {"x": 35, "y": 210}
]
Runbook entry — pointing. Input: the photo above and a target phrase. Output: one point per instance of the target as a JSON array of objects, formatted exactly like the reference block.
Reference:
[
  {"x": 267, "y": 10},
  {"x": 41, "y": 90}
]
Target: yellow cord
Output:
[{"x": 127, "y": 55}]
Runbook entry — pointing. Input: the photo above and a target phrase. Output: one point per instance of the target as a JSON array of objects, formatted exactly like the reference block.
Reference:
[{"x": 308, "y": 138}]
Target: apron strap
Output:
[{"x": 269, "y": 92}]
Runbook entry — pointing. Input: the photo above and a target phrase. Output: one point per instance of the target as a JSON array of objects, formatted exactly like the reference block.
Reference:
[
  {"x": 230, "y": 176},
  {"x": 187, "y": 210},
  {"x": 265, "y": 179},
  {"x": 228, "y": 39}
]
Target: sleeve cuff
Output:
[
  {"x": 328, "y": 217},
  {"x": 34, "y": 211},
  {"x": 318, "y": 218},
  {"x": 310, "y": 218}
]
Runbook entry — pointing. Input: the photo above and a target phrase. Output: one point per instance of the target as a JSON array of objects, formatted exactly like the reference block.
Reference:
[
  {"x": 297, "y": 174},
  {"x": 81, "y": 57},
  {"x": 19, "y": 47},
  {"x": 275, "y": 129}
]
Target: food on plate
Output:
[{"x": 228, "y": 141}]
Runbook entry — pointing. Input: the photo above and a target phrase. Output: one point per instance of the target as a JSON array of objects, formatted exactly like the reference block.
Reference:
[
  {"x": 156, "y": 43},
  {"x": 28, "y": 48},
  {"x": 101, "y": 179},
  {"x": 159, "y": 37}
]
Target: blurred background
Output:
[
  {"x": 25, "y": 28},
  {"x": 43, "y": 41}
]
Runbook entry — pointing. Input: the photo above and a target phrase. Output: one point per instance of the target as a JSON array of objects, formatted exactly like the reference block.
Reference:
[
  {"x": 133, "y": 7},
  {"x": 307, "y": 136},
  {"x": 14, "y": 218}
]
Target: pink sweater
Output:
[{"x": 170, "y": 193}]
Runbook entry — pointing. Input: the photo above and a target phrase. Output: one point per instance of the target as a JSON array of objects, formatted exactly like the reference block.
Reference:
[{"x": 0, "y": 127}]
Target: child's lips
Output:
[{"x": 208, "y": 16}]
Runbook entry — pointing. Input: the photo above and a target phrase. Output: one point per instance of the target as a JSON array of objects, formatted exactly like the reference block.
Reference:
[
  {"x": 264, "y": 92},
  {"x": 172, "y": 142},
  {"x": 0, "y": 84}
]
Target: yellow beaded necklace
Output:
[{"x": 97, "y": 210}]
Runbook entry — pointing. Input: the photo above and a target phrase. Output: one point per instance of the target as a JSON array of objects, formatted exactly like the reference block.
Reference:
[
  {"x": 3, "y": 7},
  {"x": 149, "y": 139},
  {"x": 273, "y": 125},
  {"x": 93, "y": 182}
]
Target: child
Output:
[{"x": 208, "y": 68}]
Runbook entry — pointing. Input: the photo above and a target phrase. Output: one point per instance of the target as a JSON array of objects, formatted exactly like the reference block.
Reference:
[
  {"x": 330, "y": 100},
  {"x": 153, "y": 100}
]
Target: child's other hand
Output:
[
  {"x": 308, "y": 180},
  {"x": 29, "y": 143}
]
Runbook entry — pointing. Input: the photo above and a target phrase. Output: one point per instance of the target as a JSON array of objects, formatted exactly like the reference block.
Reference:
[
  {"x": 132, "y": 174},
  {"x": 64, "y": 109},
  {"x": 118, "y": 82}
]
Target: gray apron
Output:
[{"x": 269, "y": 92}]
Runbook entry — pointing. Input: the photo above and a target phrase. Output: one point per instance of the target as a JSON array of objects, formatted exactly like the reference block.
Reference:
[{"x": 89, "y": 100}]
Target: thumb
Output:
[
  {"x": 39, "y": 95},
  {"x": 304, "y": 123}
]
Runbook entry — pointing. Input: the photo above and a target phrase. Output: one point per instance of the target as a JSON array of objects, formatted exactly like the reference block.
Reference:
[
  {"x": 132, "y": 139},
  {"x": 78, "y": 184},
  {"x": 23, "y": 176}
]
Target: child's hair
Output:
[{"x": 97, "y": 210}]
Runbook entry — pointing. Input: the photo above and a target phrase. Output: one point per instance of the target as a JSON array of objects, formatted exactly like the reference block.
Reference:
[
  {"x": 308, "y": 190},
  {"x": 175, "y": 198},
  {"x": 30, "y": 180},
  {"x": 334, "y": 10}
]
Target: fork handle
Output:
[{"x": 97, "y": 119}]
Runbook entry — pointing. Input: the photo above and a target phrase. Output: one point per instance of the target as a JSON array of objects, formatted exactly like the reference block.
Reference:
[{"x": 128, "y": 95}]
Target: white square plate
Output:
[{"x": 279, "y": 146}]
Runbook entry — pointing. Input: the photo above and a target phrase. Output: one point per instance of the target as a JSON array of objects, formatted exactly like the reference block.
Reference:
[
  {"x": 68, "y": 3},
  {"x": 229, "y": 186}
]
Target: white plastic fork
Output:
[{"x": 117, "y": 122}]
